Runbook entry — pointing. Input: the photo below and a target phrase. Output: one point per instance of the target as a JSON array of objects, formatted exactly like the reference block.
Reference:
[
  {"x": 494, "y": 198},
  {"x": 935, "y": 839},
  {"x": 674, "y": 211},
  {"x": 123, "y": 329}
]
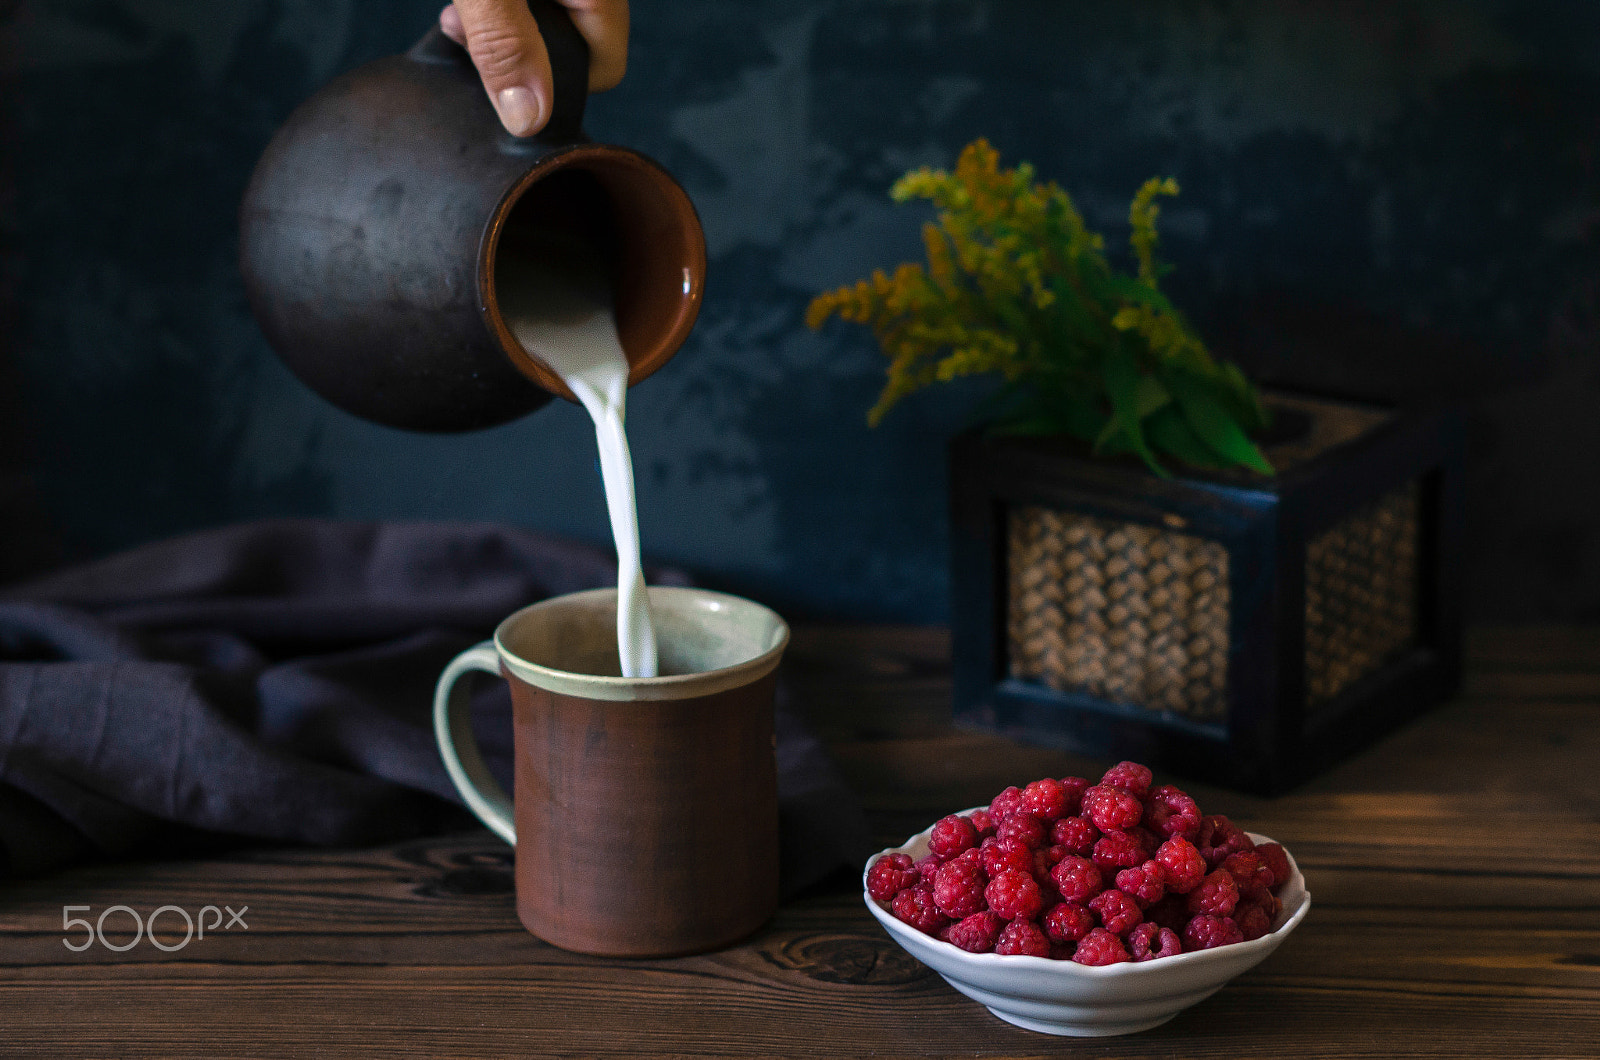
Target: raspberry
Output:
[
  {"x": 916, "y": 907},
  {"x": 1005, "y": 804},
  {"x": 982, "y": 823},
  {"x": 1143, "y": 883},
  {"x": 1256, "y": 894},
  {"x": 1149, "y": 941},
  {"x": 1171, "y": 912},
  {"x": 1078, "y": 879},
  {"x": 928, "y": 867},
  {"x": 1068, "y": 922},
  {"x": 1111, "y": 808},
  {"x": 1014, "y": 895},
  {"x": 1170, "y": 812},
  {"x": 1024, "y": 826},
  {"x": 1119, "y": 913},
  {"x": 1216, "y": 895},
  {"x": 1046, "y": 799},
  {"x": 890, "y": 875},
  {"x": 1129, "y": 776},
  {"x": 1077, "y": 834},
  {"x": 1253, "y": 920},
  {"x": 1247, "y": 869},
  {"x": 1277, "y": 859},
  {"x": 1046, "y": 858},
  {"x": 976, "y": 933},
  {"x": 958, "y": 889},
  {"x": 951, "y": 836},
  {"x": 1022, "y": 938},
  {"x": 1001, "y": 854},
  {"x": 1119, "y": 850},
  {"x": 1074, "y": 787},
  {"x": 1209, "y": 932},
  {"x": 1182, "y": 867},
  {"x": 1220, "y": 837},
  {"x": 1100, "y": 947}
]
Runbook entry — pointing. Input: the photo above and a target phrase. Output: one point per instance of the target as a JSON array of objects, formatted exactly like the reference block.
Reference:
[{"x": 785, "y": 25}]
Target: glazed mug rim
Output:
[{"x": 772, "y": 639}]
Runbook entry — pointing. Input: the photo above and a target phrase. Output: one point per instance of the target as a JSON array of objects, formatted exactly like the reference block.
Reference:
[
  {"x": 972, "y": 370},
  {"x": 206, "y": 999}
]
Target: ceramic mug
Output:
[{"x": 645, "y": 817}]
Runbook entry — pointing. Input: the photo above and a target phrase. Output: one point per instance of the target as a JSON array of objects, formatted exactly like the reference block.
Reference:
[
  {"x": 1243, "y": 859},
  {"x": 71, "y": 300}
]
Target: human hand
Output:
[{"x": 510, "y": 55}]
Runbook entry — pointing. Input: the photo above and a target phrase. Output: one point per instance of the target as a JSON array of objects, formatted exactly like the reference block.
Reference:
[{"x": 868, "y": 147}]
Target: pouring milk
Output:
[{"x": 558, "y": 305}]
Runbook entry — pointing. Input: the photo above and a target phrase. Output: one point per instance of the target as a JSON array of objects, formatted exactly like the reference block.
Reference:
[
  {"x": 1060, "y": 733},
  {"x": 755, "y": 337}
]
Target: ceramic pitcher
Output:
[{"x": 375, "y": 224}]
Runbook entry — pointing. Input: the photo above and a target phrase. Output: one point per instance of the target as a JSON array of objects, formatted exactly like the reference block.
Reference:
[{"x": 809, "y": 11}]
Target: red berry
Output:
[
  {"x": 1129, "y": 776},
  {"x": 951, "y": 836},
  {"x": 1074, "y": 787},
  {"x": 1220, "y": 837},
  {"x": 1276, "y": 859},
  {"x": 1111, "y": 808},
  {"x": 1119, "y": 913},
  {"x": 1046, "y": 799},
  {"x": 1182, "y": 867},
  {"x": 1001, "y": 854},
  {"x": 1022, "y": 938},
  {"x": 1169, "y": 812},
  {"x": 1216, "y": 895},
  {"x": 1119, "y": 850},
  {"x": 1247, "y": 870},
  {"x": 976, "y": 933},
  {"x": 1171, "y": 912},
  {"x": 1078, "y": 879},
  {"x": 916, "y": 907},
  {"x": 890, "y": 875},
  {"x": 958, "y": 888},
  {"x": 1024, "y": 826},
  {"x": 1143, "y": 883},
  {"x": 982, "y": 823},
  {"x": 1149, "y": 941},
  {"x": 1253, "y": 920},
  {"x": 1208, "y": 932},
  {"x": 1259, "y": 895},
  {"x": 1014, "y": 895},
  {"x": 1005, "y": 804},
  {"x": 1077, "y": 834},
  {"x": 928, "y": 867},
  {"x": 1068, "y": 922},
  {"x": 1100, "y": 947}
]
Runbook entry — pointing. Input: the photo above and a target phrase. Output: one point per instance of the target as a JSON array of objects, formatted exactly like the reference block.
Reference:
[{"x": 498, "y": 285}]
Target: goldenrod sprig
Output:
[{"x": 1017, "y": 286}]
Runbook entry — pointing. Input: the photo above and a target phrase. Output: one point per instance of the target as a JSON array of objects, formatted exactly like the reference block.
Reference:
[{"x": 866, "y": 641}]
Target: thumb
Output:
[{"x": 505, "y": 45}]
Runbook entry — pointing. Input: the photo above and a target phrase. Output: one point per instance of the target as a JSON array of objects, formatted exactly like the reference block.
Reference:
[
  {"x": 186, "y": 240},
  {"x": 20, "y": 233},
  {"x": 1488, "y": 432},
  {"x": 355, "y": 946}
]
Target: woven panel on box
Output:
[
  {"x": 1123, "y": 612},
  {"x": 1362, "y": 593}
]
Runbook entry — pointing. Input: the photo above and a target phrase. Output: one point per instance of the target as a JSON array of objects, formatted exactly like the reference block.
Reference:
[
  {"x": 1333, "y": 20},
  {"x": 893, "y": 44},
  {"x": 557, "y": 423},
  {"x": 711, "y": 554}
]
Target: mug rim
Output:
[{"x": 641, "y": 689}]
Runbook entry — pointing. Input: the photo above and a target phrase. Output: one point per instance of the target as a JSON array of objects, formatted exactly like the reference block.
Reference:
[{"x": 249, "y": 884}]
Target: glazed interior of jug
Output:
[{"x": 629, "y": 211}]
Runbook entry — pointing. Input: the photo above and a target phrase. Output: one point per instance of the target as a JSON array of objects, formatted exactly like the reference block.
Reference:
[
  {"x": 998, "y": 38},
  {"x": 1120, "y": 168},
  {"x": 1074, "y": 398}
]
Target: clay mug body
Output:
[
  {"x": 645, "y": 815},
  {"x": 377, "y": 221}
]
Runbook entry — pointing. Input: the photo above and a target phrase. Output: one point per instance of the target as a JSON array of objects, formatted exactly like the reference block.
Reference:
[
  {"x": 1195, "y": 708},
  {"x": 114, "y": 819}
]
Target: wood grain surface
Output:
[{"x": 1454, "y": 868}]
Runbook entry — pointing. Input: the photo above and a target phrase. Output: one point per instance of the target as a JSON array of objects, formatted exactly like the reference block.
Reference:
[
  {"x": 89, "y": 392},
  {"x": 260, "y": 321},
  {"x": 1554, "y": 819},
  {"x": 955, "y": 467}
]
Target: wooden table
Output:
[{"x": 1455, "y": 870}]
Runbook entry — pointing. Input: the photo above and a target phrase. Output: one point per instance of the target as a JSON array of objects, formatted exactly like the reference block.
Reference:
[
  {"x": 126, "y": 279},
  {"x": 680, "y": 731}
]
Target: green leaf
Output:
[
  {"x": 1215, "y": 426},
  {"x": 1122, "y": 381},
  {"x": 1171, "y": 433}
]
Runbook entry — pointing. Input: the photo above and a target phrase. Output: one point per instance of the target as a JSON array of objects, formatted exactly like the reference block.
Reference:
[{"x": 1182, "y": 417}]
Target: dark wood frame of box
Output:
[{"x": 1270, "y": 742}]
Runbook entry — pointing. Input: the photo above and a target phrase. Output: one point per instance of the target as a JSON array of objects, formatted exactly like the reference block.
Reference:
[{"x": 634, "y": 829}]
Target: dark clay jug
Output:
[{"x": 374, "y": 224}]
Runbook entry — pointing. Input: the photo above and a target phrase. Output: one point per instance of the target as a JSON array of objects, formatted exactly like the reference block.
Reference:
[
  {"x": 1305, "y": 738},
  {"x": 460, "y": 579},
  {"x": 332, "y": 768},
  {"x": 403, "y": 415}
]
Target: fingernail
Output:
[{"x": 520, "y": 110}]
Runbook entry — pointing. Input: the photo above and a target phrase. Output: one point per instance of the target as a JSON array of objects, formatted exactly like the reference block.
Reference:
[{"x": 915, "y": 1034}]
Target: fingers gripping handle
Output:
[{"x": 452, "y": 727}]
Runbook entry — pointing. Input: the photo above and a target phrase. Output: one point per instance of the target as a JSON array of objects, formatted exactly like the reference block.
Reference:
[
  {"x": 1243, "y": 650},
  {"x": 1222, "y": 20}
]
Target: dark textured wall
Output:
[{"x": 1393, "y": 199}]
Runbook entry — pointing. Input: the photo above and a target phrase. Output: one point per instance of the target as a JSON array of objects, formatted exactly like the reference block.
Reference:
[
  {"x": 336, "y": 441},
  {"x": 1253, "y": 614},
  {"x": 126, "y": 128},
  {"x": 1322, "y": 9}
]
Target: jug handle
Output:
[{"x": 569, "y": 63}]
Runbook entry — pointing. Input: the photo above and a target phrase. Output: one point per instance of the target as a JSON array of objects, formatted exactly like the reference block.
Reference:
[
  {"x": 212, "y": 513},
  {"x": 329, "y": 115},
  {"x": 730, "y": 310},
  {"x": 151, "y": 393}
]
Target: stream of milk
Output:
[{"x": 558, "y": 305}]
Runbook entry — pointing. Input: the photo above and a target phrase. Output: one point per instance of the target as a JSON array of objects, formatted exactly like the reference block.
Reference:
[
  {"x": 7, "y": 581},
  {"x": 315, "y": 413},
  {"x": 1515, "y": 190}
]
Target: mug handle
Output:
[{"x": 452, "y": 727}]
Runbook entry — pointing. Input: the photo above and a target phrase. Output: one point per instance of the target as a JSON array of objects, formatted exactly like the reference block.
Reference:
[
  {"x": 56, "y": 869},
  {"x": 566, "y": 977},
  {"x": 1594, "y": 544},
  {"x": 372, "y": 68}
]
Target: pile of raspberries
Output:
[{"x": 1094, "y": 873}]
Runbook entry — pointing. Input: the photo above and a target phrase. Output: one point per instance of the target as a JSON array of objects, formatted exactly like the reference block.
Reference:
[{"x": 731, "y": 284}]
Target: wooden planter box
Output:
[{"x": 1231, "y": 629}]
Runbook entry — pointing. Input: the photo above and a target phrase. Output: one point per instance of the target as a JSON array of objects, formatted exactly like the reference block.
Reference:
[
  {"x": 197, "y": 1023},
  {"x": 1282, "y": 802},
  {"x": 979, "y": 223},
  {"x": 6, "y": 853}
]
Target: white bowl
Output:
[{"x": 1061, "y": 997}]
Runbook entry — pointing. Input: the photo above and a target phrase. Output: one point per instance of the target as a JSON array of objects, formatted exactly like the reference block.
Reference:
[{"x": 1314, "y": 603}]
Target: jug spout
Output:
[{"x": 378, "y": 219}]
